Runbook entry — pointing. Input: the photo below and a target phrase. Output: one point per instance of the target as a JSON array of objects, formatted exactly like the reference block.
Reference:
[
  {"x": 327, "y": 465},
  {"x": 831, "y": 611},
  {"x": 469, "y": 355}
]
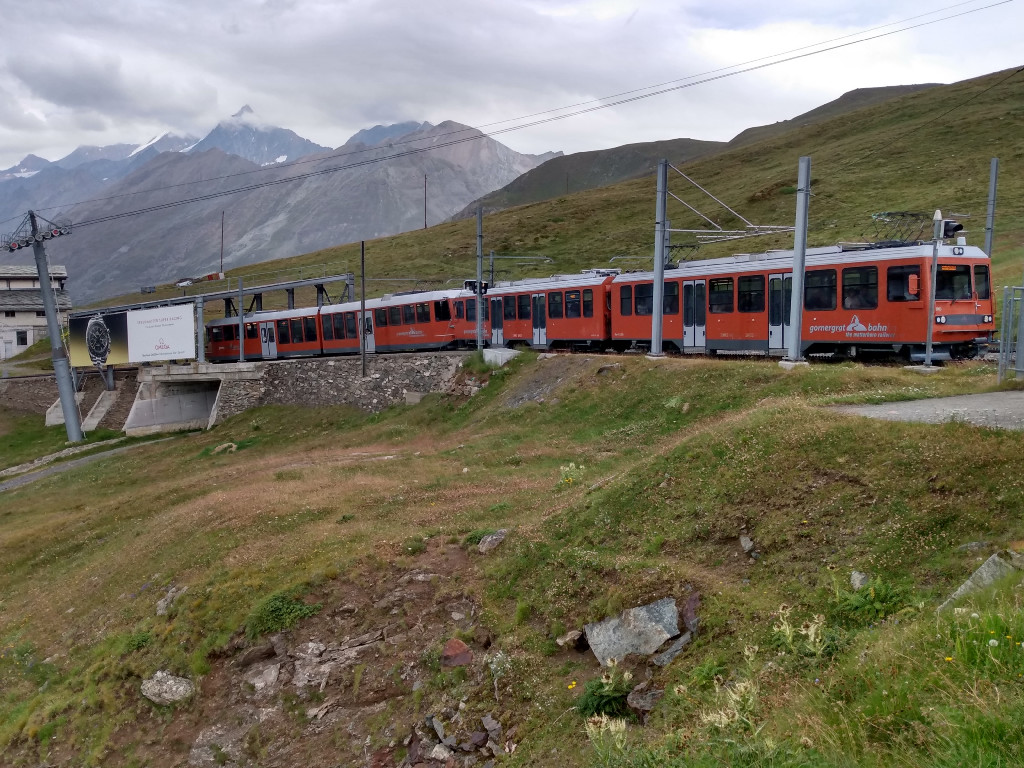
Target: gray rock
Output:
[
  {"x": 746, "y": 542},
  {"x": 491, "y": 725},
  {"x": 257, "y": 653},
  {"x": 664, "y": 658},
  {"x": 641, "y": 701},
  {"x": 438, "y": 727},
  {"x": 263, "y": 679},
  {"x": 164, "y": 688},
  {"x": 569, "y": 639},
  {"x": 636, "y": 630},
  {"x": 690, "y": 620},
  {"x": 858, "y": 580},
  {"x": 164, "y": 603},
  {"x": 440, "y": 752},
  {"x": 218, "y": 742},
  {"x": 988, "y": 573},
  {"x": 491, "y": 541},
  {"x": 973, "y": 546}
]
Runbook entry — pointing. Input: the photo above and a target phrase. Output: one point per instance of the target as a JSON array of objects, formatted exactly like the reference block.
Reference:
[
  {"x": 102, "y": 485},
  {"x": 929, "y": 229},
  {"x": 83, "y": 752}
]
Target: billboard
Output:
[{"x": 136, "y": 336}]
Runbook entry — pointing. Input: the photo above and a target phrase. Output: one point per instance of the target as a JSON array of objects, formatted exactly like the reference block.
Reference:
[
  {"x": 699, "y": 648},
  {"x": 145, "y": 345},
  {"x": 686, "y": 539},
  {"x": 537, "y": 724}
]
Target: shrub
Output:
[
  {"x": 606, "y": 695},
  {"x": 280, "y": 610},
  {"x": 872, "y": 602}
]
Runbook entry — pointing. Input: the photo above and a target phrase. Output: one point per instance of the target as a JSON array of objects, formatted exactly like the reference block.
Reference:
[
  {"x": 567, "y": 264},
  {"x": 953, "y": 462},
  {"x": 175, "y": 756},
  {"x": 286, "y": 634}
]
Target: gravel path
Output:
[{"x": 993, "y": 409}]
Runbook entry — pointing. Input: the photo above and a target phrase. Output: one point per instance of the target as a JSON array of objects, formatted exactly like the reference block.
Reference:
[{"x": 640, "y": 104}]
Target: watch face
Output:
[{"x": 97, "y": 340}]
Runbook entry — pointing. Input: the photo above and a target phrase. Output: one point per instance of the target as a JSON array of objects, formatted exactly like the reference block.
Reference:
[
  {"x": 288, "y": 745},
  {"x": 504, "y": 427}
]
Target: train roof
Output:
[
  {"x": 396, "y": 300},
  {"x": 587, "y": 278},
  {"x": 266, "y": 315},
  {"x": 816, "y": 257}
]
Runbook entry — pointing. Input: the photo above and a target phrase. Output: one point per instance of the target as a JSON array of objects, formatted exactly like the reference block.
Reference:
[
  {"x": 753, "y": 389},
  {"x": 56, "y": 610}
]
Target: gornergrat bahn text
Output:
[{"x": 857, "y": 300}]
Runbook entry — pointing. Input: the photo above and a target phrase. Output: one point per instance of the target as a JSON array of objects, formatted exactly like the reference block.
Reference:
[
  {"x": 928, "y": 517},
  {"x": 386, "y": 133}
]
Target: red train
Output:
[{"x": 857, "y": 299}]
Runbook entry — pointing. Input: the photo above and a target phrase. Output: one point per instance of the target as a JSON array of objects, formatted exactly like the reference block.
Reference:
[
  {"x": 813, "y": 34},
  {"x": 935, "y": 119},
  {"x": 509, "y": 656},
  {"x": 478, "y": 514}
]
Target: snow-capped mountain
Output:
[{"x": 245, "y": 135}]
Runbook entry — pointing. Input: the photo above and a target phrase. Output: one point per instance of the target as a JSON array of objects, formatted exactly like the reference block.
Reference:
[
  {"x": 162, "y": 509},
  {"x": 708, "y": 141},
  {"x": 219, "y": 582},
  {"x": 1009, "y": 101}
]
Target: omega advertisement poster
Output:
[{"x": 138, "y": 336}]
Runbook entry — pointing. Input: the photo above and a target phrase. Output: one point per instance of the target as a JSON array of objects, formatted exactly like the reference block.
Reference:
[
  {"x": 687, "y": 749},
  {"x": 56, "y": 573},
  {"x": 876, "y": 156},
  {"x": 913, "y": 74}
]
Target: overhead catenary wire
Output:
[{"x": 522, "y": 125}]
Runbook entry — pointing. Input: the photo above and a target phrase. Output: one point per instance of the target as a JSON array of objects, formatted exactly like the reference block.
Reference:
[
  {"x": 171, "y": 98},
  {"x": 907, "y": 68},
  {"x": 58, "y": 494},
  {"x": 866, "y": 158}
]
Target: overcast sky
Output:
[{"x": 100, "y": 72}]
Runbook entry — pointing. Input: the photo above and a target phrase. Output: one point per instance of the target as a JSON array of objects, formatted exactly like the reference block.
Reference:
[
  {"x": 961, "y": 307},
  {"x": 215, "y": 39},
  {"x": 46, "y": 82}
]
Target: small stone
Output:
[
  {"x": 438, "y": 728},
  {"x": 478, "y": 739},
  {"x": 570, "y": 638},
  {"x": 641, "y": 701},
  {"x": 440, "y": 753},
  {"x": 225, "y": 448},
  {"x": 457, "y": 616},
  {"x": 858, "y": 580},
  {"x": 456, "y": 654},
  {"x": 747, "y": 543},
  {"x": 164, "y": 688},
  {"x": 491, "y": 541}
]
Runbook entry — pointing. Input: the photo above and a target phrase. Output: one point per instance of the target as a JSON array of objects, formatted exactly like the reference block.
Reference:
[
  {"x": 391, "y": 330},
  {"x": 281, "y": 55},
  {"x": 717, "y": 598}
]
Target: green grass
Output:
[{"x": 24, "y": 437}]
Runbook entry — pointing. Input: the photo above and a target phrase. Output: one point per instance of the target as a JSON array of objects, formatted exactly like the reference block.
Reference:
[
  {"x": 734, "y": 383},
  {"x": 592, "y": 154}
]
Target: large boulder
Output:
[{"x": 163, "y": 688}]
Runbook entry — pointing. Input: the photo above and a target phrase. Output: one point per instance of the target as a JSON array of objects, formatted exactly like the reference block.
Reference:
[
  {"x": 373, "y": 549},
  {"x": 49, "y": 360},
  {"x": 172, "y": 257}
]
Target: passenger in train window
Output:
[{"x": 855, "y": 299}]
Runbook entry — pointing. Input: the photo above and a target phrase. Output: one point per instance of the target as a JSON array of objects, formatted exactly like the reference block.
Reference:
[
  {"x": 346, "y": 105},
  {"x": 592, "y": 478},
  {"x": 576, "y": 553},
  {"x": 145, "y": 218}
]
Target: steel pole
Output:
[
  {"x": 990, "y": 219},
  {"x": 362, "y": 303},
  {"x": 241, "y": 322},
  {"x": 61, "y": 368},
  {"x": 937, "y": 234},
  {"x": 200, "y": 330},
  {"x": 659, "y": 260},
  {"x": 479, "y": 277},
  {"x": 1004, "y": 336},
  {"x": 796, "y": 306}
]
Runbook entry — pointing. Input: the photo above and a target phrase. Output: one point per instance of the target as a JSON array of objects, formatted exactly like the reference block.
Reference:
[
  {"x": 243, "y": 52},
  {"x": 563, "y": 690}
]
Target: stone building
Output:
[{"x": 22, "y": 319}]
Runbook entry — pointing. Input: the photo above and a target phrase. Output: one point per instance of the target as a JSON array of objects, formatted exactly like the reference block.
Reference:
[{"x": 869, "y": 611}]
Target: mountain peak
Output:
[{"x": 245, "y": 110}]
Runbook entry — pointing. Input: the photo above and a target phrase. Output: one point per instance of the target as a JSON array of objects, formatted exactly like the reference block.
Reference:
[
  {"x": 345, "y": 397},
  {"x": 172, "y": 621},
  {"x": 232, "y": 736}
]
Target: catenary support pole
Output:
[
  {"x": 479, "y": 277},
  {"x": 200, "y": 331},
  {"x": 937, "y": 219},
  {"x": 990, "y": 218},
  {"x": 61, "y": 367},
  {"x": 659, "y": 260},
  {"x": 492, "y": 269},
  {"x": 424, "y": 201},
  {"x": 241, "y": 322},
  {"x": 796, "y": 307},
  {"x": 362, "y": 303}
]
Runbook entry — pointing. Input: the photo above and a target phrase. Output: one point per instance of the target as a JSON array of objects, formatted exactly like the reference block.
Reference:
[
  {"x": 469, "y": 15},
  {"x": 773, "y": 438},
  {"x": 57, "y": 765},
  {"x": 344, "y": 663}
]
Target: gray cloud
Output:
[{"x": 122, "y": 70}]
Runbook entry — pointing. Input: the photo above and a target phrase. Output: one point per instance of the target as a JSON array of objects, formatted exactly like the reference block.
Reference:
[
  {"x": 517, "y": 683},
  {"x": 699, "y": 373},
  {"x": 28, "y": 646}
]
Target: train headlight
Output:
[
  {"x": 940, "y": 320},
  {"x": 988, "y": 318}
]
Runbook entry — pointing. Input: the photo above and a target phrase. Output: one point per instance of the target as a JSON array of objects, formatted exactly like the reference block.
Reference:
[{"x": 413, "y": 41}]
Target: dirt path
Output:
[{"x": 1003, "y": 410}]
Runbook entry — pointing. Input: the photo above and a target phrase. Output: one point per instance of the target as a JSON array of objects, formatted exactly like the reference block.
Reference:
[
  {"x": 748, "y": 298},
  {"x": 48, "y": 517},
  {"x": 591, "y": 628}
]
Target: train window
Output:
[
  {"x": 328, "y": 326},
  {"x": 283, "y": 337},
  {"x": 750, "y": 293},
  {"x": 394, "y": 315},
  {"x": 310, "y": 326},
  {"x": 350, "y": 325},
  {"x": 903, "y": 283},
  {"x": 523, "y": 307},
  {"x": 626, "y": 300},
  {"x": 216, "y": 334},
  {"x": 270, "y": 334},
  {"x": 588, "y": 302},
  {"x": 572, "y": 304},
  {"x": 720, "y": 296},
  {"x": 670, "y": 299},
  {"x": 486, "y": 305},
  {"x": 380, "y": 317},
  {"x": 820, "y": 289},
  {"x": 250, "y": 331},
  {"x": 700, "y": 305},
  {"x": 643, "y": 303},
  {"x": 460, "y": 310},
  {"x": 471, "y": 310},
  {"x": 231, "y": 333},
  {"x": 688, "y": 304},
  {"x": 296, "y": 328},
  {"x": 860, "y": 288},
  {"x": 442, "y": 310},
  {"x": 508, "y": 307},
  {"x": 982, "y": 286},
  {"x": 408, "y": 314},
  {"x": 953, "y": 282},
  {"x": 423, "y": 313},
  {"x": 555, "y": 304},
  {"x": 339, "y": 326}
]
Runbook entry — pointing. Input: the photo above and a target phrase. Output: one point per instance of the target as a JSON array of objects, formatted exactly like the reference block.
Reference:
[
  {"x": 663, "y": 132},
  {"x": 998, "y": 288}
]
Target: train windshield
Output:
[{"x": 953, "y": 282}]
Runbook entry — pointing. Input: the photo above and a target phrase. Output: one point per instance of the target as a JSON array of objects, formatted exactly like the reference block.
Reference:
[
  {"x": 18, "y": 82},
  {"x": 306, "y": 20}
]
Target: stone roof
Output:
[
  {"x": 29, "y": 270},
  {"x": 30, "y": 300}
]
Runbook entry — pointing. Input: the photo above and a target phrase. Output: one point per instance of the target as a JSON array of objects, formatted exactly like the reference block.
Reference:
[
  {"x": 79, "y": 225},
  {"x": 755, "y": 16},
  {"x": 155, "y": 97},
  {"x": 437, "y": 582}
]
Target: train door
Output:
[
  {"x": 780, "y": 299},
  {"x": 695, "y": 316},
  {"x": 268, "y": 341},
  {"x": 367, "y": 325},
  {"x": 497, "y": 323},
  {"x": 540, "y": 320}
]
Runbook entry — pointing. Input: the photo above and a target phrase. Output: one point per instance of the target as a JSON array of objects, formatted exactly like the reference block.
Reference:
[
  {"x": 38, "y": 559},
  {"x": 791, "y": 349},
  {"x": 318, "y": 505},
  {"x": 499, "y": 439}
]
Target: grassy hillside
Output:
[
  {"x": 919, "y": 152},
  {"x": 618, "y": 487}
]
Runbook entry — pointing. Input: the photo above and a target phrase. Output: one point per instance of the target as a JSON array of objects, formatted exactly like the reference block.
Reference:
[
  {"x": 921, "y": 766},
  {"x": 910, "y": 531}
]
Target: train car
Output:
[
  {"x": 559, "y": 312},
  {"x": 267, "y": 336},
  {"x": 409, "y": 322},
  {"x": 857, "y": 299}
]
